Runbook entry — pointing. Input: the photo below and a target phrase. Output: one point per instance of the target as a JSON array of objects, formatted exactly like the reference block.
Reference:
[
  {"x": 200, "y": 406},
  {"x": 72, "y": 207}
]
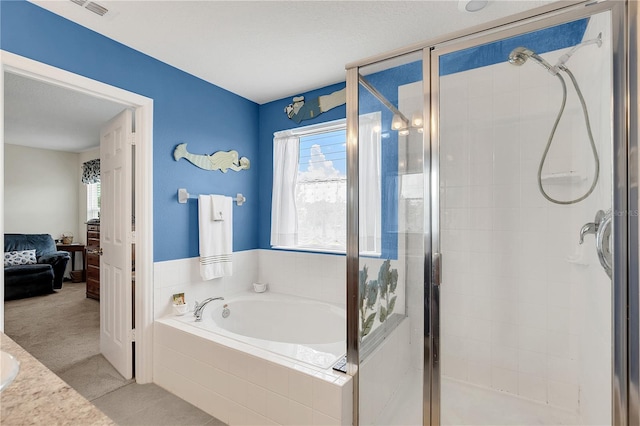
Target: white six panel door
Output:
[{"x": 115, "y": 242}]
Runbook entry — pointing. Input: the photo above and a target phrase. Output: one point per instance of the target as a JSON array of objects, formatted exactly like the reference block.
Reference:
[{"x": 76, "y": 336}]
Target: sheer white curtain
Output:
[
  {"x": 284, "y": 223},
  {"x": 370, "y": 186}
]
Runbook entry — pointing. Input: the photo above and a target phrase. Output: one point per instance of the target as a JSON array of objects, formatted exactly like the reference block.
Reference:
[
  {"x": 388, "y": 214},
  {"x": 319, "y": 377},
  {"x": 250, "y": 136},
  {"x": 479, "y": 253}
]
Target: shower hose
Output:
[{"x": 552, "y": 134}]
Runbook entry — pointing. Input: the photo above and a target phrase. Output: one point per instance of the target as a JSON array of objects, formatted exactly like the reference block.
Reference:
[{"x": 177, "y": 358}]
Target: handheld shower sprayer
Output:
[{"x": 519, "y": 56}]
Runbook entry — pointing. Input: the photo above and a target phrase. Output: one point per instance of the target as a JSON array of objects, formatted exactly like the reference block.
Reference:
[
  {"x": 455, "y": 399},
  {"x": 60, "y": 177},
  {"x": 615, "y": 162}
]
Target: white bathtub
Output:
[{"x": 301, "y": 329}]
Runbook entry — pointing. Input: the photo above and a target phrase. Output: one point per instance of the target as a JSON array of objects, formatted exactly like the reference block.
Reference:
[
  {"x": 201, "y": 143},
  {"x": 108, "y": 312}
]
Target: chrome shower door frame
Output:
[
  {"x": 633, "y": 128},
  {"x": 623, "y": 201},
  {"x": 626, "y": 110}
]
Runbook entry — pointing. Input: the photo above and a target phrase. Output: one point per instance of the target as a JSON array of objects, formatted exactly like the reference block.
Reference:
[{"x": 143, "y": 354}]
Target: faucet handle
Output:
[
  {"x": 592, "y": 227},
  {"x": 588, "y": 228}
]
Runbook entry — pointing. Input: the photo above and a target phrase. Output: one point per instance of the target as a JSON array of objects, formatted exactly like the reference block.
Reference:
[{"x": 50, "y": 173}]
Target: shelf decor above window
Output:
[{"x": 299, "y": 110}]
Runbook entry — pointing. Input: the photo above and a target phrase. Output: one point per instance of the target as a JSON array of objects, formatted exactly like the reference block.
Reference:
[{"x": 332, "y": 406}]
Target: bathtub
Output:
[
  {"x": 304, "y": 330},
  {"x": 268, "y": 362}
]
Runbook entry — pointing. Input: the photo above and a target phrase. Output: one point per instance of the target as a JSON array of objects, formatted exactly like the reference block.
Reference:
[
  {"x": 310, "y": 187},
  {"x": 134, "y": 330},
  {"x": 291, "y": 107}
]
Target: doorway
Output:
[{"x": 143, "y": 111}]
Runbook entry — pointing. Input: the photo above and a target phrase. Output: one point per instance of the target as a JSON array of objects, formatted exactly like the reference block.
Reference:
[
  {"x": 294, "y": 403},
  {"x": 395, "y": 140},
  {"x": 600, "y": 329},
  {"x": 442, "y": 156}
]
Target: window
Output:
[
  {"x": 93, "y": 201},
  {"x": 321, "y": 191},
  {"x": 309, "y": 204}
]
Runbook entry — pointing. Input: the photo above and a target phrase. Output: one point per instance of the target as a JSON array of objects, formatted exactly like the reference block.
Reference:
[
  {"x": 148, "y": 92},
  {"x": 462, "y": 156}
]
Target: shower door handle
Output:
[
  {"x": 603, "y": 243},
  {"x": 436, "y": 269},
  {"x": 601, "y": 228}
]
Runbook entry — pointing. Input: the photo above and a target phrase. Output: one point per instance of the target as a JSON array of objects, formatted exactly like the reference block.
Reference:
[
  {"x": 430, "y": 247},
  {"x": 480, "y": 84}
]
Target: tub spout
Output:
[{"x": 197, "y": 312}]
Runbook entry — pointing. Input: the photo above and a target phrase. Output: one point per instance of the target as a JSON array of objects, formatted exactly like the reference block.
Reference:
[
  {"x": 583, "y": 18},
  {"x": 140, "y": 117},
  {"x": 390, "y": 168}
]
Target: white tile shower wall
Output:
[
  {"x": 183, "y": 276},
  {"x": 513, "y": 307},
  {"x": 590, "y": 285},
  {"x": 242, "y": 389},
  {"x": 382, "y": 373}
]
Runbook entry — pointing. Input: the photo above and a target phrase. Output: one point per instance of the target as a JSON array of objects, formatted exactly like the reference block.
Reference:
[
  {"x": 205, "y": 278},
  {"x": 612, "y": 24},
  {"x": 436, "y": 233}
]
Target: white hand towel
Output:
[
  {"x": 216, "y": 237},
  {"x": 217, "y": 207}
]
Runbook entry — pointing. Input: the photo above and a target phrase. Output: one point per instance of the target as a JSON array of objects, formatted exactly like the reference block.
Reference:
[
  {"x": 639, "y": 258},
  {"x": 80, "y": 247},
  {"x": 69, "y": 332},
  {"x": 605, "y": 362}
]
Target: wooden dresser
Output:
[{"x": 93, "y": 259}]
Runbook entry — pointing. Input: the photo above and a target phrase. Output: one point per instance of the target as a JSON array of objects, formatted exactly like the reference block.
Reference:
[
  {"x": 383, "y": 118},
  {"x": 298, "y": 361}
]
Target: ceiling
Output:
[
  {"x": 40, "y": 115},
  {"x": 268, "y": 50},
  {"x": 261, "y": 50}
]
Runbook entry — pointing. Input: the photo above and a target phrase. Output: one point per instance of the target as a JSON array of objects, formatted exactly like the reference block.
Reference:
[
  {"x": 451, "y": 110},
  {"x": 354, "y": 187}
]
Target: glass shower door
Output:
[
  {"x": 391, "y": 245},
  {"x": 526, "y": 191}
]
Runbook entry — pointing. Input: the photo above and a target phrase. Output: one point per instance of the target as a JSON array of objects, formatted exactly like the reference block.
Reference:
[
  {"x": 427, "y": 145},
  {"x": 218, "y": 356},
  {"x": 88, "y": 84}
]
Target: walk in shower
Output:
[
  {"x": 507, "y": 191},
  {"x": 524, "y": 305}
]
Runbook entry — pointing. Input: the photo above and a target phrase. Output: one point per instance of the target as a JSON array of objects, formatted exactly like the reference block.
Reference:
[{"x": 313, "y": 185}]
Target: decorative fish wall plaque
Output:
[
  {"x": 300, "y": 110},
  {"x": 221, "y": 160}
]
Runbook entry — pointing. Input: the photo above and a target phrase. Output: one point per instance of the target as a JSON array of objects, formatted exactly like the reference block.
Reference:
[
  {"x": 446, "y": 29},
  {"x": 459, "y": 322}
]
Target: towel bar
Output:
[{"x": 183, "y": 196}]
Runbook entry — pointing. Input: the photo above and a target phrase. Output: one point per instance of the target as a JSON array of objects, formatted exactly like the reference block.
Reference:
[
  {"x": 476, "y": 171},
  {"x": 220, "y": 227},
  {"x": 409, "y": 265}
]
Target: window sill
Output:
[
  {"x": 322, "y": 251},
  {"x": 309, "y": 250}
]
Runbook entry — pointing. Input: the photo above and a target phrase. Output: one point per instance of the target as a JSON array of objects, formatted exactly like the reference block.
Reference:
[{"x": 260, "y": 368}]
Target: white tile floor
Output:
[
  {"x": 149, "y": 404},
  {"x": 466, "y": 404}
]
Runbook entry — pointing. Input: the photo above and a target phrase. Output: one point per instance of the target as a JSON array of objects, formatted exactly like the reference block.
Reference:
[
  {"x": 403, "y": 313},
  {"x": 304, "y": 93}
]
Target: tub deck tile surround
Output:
[
  {"x": 301, "y": 387},
  {"x": 239, "y": 388}
]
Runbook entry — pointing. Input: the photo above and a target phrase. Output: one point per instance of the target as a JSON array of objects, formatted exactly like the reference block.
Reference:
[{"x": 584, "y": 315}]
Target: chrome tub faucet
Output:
[{"x": 197, "y": 312}]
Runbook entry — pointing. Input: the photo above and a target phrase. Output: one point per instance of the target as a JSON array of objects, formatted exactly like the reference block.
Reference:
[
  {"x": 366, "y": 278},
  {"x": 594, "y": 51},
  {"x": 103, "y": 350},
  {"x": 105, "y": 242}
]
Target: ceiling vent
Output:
[{"x": 92, "y": 6}]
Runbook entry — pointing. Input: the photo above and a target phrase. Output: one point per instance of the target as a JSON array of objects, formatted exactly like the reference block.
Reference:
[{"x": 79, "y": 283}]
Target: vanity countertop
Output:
[{"x": 38, "y": 397}]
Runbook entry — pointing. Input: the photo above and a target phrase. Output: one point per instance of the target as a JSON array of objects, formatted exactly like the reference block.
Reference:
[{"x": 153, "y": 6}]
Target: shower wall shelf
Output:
[{"x": 563, "y": 178}]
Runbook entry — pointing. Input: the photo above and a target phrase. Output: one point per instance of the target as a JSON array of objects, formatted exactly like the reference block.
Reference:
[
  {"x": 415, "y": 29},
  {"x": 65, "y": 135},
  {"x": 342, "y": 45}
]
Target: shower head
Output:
[{"x": 519, "y": 56}]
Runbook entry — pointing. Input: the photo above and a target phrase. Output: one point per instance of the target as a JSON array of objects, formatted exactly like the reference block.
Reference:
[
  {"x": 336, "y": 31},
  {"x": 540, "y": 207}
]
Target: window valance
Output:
[{"x": 91, "y": 171}]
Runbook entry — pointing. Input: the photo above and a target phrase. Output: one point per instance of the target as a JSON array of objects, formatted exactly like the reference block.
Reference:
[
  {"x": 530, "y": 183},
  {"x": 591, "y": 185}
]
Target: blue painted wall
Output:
[
  {"x": 186, "y": 109},
  {"x": 541, "y": 41}
]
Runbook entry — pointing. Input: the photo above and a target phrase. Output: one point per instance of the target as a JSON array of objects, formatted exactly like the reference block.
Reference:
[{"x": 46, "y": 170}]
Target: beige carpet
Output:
[{"x": 62, "y": 330}]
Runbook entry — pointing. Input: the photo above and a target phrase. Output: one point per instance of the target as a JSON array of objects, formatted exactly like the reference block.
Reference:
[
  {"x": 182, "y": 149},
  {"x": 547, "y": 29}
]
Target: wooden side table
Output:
[{"x": 73, "y": 249}]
